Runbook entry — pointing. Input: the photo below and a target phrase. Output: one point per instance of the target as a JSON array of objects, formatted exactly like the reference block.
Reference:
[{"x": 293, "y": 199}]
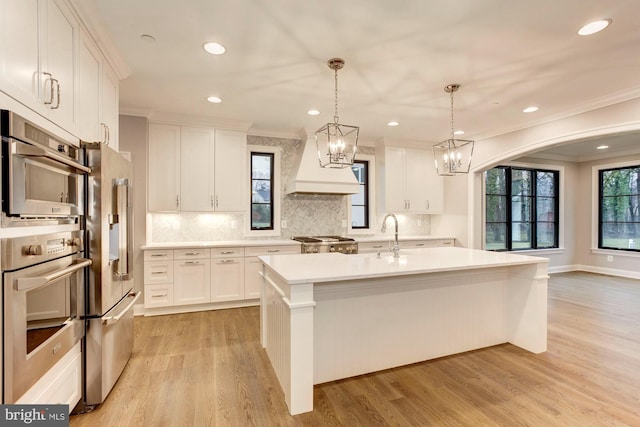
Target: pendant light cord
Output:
[
  {"x": 335, "y": 116},
  {"x": 452, "y": 134}
]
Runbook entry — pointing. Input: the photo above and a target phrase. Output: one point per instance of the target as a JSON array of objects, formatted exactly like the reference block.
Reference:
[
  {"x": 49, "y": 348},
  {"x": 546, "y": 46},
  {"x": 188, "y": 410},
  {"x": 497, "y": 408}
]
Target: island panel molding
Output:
[{"x": 379, "y": 312}]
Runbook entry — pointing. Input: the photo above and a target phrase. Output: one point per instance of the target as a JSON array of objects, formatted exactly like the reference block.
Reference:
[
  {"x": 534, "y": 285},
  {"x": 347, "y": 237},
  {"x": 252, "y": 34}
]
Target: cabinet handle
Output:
[
  {"x": 159, "y": 296},
  {"x": 192, "y": 262},
  {"x": 408, "y": 204},
  {"x": 211, "y": 201},
  {"x": 419, "y": 244},
  {"x": 377, "y": 246},
  {"x": 273, "y": 250},
  {"x": 227, "y": 261},
  {"x": 108, "y": 137},
  {"x": 177, "y": 201},
  {"x": 57, "y": 94},
  {"x": 216, "y": 200},
  {"x": 49, "y": 79},
  {"x": 192, "y": 253},
  {"x": 227, "y": 252},
  {"x": 158, "y": 272},
  {"x": 427, "y": 204},
  {"x": 158, "y": 255}
]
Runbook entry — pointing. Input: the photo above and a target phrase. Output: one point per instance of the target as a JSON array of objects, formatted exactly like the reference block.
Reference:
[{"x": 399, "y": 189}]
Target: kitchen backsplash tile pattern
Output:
[{"x": 305, "y": 214}]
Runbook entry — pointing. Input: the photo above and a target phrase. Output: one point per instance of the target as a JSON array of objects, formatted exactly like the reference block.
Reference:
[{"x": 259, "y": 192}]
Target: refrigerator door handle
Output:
[
  {"x": 123, "y": 209},
  {"x": 110, "y": 320}
]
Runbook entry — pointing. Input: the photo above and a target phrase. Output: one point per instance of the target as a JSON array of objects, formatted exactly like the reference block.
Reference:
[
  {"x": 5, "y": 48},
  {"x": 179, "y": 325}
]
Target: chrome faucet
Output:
[{"x": 396, "y": 247}]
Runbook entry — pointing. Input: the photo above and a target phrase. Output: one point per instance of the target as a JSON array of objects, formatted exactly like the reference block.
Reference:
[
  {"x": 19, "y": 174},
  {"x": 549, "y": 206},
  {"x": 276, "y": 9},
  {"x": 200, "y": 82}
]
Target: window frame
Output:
[
  {"x": 599, "y": 172},
  {"x": 558, "y": 207},
  {"x": 275, "y": 189},
  {"x": 371, "y": 195},
  {"x": 366, "y": 204}
]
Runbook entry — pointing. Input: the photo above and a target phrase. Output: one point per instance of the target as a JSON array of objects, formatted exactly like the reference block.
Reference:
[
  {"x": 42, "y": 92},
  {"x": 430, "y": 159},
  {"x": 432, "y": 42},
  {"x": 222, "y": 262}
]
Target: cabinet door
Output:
[
  {"x": 394, "y": 183},
  {"x": 196, "y": 176},
  {"x": 192, "y": 281},
  {"x": 227, "y": 279},
  {"x": 89, "y": 74},
  {"x": 60, "y": 36},
  {"x": 109, "y": 107},
  {"x": 230, "y": 171},
  {"x": 164, "y": 168},
  {"x": 434, "y": 186},
  {"x": 19, "y": 52},
  {"x": 416, "y": 180}
]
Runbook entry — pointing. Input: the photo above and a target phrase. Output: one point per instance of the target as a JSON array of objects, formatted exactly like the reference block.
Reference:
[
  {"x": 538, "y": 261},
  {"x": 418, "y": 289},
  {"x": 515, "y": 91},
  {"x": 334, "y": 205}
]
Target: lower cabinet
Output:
[
  {"x": 383, "y": 246},
  {"x": 183, "y": 277}
]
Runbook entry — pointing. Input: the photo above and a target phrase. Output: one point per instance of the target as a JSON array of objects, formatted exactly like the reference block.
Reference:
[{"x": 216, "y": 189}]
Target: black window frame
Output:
[
  {"x": 533, "y": 215},
  {"x": 366, "y": 206},
  {"x": 601, "y": 202},
  {"x": 271, "y": 188}
]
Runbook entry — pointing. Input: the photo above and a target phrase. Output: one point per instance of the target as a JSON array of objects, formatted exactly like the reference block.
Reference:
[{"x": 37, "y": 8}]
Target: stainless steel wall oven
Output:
[
  {"x": 43, "y": 305},
  {"x": 42, "y": 177}
]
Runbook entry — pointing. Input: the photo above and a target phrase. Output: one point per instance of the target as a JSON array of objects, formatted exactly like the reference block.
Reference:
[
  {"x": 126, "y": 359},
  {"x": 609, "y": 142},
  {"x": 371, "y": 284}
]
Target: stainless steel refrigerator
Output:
[{"x": 110, "y": 294}]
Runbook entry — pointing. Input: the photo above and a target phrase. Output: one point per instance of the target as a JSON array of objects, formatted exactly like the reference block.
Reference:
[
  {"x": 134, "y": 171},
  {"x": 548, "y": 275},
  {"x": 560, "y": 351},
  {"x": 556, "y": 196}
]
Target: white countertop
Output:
[
  {"x": 329, "y": 267},
  {"x": 219, "y": 244},
  {"x": 278, "y": 242}
]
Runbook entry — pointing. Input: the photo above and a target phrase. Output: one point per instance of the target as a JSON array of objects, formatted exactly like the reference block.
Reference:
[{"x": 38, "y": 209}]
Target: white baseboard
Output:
[
  {"x": 140, "y": 310},
  {"x": 594, "y": 269}
]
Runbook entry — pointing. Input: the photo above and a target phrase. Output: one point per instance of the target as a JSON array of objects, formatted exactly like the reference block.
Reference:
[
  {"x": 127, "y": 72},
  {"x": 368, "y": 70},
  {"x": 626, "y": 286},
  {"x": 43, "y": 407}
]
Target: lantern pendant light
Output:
[
  {"x": 336, "y": 143},
  {"x": 453, "y": 156}
]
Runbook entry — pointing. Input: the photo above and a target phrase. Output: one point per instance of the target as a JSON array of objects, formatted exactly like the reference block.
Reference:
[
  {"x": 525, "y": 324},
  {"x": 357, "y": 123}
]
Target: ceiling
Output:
[{"x": 399, "y": 55}]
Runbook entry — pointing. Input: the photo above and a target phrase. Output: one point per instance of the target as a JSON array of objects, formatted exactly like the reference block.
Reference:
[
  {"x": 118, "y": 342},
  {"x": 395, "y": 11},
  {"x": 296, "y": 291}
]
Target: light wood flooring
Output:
[{"x": 208, "y": 369}]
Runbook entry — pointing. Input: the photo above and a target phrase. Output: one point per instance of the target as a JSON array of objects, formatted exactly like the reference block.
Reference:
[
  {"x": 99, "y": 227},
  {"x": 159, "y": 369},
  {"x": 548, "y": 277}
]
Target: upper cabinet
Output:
[
  {"x": 38, "y": 58},
  {"x": 410, "y": 182},
  {"x": 97, "y": 96},
  {"x": 196, "y": 169}
]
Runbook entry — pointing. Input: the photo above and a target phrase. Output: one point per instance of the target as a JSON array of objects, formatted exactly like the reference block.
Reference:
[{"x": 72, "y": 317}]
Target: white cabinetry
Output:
[
  {"x": 383, "y": 245},
  {"x": 411, "y": 184},
  {"x": 109, "y": 107},
  {"x": 158, "y": 278},
  {"x": 89, "y": 76},
  {"x": 38, "y": 57},
  {"x": 253, "y": 266},
  {"x": 195, "y": 169},
  {"x": 227, "y": 274},
  {"x": 191, "y": 279}
]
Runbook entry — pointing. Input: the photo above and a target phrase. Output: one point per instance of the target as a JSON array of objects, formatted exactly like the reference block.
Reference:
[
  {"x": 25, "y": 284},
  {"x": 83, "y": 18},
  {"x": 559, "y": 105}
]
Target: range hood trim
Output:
[{"x": 308, "y": 177}]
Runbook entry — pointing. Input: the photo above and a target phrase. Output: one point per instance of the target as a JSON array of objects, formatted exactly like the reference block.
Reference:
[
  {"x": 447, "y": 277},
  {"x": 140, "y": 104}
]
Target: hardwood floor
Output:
[{"x": 208, "y": 369}]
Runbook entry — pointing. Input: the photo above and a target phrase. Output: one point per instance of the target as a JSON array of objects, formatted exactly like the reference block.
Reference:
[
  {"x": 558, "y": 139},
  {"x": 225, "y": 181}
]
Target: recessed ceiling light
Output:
[
  {"x": 214, "y": 99},
  {"x": 594, "y": 27},
  {"x": 531, "y": 109},
  {"x": 602, "y": 147},
  {"x": 393, "y": 123},
  {"x": 148, "y": 38},
  {"x": 214, "y": 48},
  {"x": 459, "y": 132},
  {"x": 313, "y": 112}
]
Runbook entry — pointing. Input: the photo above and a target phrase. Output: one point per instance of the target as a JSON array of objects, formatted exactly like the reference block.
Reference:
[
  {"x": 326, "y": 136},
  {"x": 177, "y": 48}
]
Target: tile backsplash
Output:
[{"x": 305, "y": 214}]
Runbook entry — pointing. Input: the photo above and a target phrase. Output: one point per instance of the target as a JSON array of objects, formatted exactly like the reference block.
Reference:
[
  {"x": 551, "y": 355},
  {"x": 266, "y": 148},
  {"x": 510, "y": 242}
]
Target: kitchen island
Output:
[{"x": 330, "y": 316}]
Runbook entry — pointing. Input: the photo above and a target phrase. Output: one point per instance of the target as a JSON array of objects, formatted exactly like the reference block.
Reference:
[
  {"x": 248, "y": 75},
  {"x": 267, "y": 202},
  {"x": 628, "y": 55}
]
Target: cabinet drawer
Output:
[
  {"x": 158, "y": 295},
  {"x": 191, "y": 253},
  {"x": 416, "y": 244},
  {"x": 233, "y": 252},
  {"x": 158, "y": 254},
  {"x": 158, "y": 272},
  {"x": 369, "y": 247},
  {"x": 272, "y": 250},
  {"x": 448, "y": 242}
]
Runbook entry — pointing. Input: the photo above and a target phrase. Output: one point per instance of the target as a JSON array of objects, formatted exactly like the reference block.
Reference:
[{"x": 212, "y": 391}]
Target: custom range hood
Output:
[{"x": 308, "y": 177}]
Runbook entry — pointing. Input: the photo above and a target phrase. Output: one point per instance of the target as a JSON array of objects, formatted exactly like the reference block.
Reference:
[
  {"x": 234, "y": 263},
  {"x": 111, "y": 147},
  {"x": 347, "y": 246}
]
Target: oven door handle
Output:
[
  {"x": 110, "y": 320},
  {"x": 27, "y": 150},
  {"x": 30, "y": 283}
]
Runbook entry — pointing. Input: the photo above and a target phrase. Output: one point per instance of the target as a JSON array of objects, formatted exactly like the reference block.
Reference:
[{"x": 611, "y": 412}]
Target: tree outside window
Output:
[
  {"x": 262, "y": 191},
  {"x": 619, "y": 213}
]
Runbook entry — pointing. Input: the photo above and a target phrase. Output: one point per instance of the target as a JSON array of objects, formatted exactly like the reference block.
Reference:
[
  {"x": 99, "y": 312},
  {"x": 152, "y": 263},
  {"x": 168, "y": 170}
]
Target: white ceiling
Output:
[{"x": 506, "y": 54}]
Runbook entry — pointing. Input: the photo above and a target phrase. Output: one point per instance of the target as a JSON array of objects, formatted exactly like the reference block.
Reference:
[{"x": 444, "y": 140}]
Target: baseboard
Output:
[
  {"x": 594, "y": 269},
  {"x": 140, "y": 310}
]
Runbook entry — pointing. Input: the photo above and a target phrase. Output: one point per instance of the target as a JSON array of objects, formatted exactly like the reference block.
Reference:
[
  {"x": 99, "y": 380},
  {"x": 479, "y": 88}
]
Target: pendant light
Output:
[
  {"x": 453, "y": 156},
  {"x": 336, "y": 143}
]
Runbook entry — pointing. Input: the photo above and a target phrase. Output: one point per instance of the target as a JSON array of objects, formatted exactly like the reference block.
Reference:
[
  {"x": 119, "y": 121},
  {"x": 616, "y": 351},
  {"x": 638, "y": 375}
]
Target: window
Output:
[
  {"x": 360, "y": 201},
  {"x": 521, "y": 208},
  {"x": 619, "y": 208},
  {"x": 262, "y": 184}
]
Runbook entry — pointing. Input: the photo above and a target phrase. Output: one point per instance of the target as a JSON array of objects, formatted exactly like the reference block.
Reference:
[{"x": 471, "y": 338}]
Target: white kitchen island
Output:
[{"x": 331, "y": 316}]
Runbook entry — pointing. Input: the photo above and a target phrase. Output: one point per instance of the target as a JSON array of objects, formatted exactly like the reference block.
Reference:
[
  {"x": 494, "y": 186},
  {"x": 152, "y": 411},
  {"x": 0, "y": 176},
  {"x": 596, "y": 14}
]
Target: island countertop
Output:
[{"x": 329, "y": 267}]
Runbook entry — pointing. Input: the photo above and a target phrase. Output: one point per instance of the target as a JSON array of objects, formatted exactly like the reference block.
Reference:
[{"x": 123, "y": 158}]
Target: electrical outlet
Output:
[
  {"x": 609, "y": 258},
  {"x": 283, "y": 224}
]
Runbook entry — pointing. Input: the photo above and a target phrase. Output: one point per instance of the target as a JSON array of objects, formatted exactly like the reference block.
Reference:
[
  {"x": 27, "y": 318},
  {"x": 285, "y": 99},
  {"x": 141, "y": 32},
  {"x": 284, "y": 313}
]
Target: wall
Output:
[
  {"x": 133, "y": 139},
  {"x": 305, "y": 214}
]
